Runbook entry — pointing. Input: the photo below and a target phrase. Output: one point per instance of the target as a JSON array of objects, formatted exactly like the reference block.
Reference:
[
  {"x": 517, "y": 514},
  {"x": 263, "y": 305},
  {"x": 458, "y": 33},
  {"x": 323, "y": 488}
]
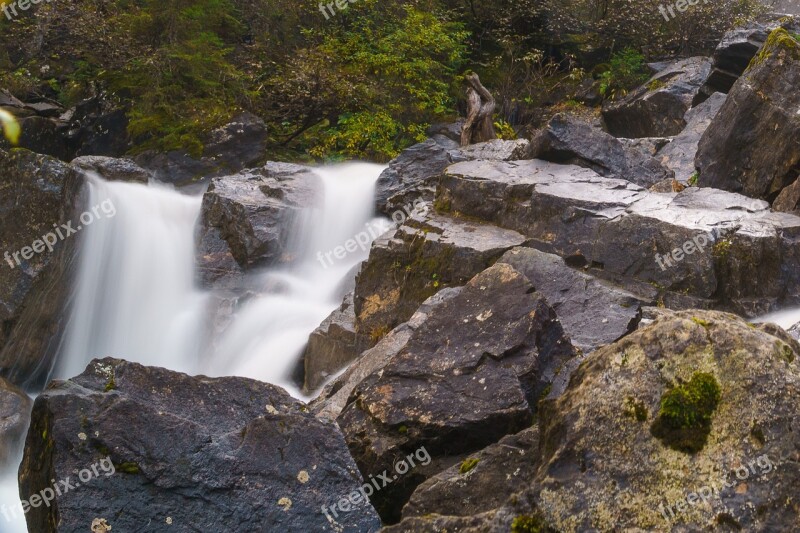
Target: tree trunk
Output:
[{"x": 478, "y": 126}]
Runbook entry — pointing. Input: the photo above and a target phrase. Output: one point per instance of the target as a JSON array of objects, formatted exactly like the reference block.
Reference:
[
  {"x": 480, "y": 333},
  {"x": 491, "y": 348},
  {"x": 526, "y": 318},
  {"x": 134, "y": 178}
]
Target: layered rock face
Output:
[
  {"x": 628, "y": 235},
  {"x": 188, "y": 453},
  {"x": 753, "y": 144},
  {"x": 571, "y": 141},
  {"x": 656, "y": 109}
]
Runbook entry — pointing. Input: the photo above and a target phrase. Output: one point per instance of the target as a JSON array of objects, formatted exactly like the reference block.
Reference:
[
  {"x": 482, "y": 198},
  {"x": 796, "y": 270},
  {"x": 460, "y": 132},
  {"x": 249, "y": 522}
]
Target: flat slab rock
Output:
[
  {"x": 750, "y": 261},
  {"x": 199, "y": 454}
]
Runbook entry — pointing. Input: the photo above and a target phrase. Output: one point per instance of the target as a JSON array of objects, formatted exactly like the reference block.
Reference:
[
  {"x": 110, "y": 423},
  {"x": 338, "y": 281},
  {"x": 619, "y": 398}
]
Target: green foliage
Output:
[
  {"x": 684, "y": 417},
  {"x": 627, "y": 70},
  {"x": 529, "y": 524},
  {"x": 693, "y": 178},
  {"x": 504, "y": 130}
]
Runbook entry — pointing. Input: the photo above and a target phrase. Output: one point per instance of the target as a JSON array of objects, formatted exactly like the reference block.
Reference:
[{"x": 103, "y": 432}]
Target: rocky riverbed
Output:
[{"x": 565, "y": 325}]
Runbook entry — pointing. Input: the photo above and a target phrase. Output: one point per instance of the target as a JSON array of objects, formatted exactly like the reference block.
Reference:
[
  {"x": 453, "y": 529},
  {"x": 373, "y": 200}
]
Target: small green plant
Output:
[
  {"x": 504, "y": 130},
  {"x": 529, "y": 524},
  {"x": 627, "y": 69},
  {"x": 467, "y": 465},
  {"x": 656, "y": 85},
  {"x": 693, "y": 178},
  {"x": 684, "y": 416}
]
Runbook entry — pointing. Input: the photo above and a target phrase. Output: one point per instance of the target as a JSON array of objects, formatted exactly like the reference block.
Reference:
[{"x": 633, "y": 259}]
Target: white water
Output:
[{"x": 135, "y": 296}]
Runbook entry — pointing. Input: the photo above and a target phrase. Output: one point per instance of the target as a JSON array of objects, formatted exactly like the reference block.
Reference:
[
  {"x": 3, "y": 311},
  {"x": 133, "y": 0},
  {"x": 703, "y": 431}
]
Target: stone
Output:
[
  {"x": 753, "y": 144},
  {"x": 15, "y": 407},
  {"x": 331, "y": 346},
  {"x": 198, "y": 453},
  {"x": 113, "y": 169},
  {"x": 657, "y": 108},
  {"x": 569, "y": 140}
]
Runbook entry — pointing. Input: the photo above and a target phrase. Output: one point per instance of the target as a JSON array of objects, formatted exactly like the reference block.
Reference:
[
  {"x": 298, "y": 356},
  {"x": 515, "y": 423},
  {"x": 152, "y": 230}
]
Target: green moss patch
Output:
[
  {"x": 127, "y": 468},
  {"x": 530, "y": 524},
  {"x": 635, "y": 409},
  {"x": 684, "y": 417},
  {"x": 778, "y": 40},
  {"x": 468, "y": 465}
]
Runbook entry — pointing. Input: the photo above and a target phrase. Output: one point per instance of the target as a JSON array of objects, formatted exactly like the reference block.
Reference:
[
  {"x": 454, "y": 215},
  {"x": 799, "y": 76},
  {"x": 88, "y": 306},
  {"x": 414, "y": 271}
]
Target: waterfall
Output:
[{"x": 135, "y": 296}]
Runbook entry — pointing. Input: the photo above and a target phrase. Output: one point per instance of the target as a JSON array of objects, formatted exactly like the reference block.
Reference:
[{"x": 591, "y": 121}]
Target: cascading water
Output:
[{"x": 135, "y": 296}]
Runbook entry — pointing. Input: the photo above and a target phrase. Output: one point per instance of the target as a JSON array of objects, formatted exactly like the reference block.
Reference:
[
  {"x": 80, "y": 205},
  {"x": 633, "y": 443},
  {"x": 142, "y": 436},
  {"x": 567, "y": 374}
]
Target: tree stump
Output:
[{"x": 480, "y": 108}]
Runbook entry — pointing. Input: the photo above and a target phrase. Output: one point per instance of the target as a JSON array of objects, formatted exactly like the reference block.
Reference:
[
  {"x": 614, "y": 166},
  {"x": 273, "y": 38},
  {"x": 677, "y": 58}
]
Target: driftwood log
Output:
[{"x": 480, "y": 109}]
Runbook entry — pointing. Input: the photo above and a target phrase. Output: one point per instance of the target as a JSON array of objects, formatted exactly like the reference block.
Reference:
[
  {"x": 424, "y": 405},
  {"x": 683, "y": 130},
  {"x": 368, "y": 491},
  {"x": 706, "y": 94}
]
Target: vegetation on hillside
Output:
[{"x": 364, "y": 82}]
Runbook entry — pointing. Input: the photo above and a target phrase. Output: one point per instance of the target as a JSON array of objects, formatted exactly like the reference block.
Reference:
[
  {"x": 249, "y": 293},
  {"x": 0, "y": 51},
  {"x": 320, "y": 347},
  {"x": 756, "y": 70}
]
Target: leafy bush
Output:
[{"x": 627, "y": 70}]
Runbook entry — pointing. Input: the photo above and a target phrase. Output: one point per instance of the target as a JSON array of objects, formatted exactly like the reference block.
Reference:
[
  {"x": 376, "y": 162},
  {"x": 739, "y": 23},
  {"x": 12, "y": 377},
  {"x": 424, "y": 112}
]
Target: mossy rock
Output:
[{"x": 684, "y": 418}]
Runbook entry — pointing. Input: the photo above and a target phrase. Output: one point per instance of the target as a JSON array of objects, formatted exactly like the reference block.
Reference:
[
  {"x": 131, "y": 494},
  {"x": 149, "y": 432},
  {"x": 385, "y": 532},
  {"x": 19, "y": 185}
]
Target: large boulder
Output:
[
  {"x": 425, "y": 254},
  {"x": 37, "y": 193},
  {"x": 470, "y": 374},
  {"x": 688, "y": 424},
  {"x": 246, "y": 220},
  {"x": 700, "y": 247},
  {"x": 735, "y": 51},
  {"x": 185, "y": 453},
  {"x": 592, "y": 312},
  {"x": 678, "y": 155},
  {"x": 657, "y": 108},
  {"x": 412, "y": 174},
  {"x": 753, "y": 144},
  {"x": 572, "y": 141}
]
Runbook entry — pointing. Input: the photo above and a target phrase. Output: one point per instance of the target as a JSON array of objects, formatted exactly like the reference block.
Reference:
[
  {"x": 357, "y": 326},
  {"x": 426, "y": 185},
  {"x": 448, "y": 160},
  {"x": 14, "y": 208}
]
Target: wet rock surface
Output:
[
  {"x": 112, "y": 169},
  {"x": 246, "y": 220},
  {"x": 679, "y": 154},
  {"x": 470, "y": 374},
  {"x": 331, "y": 346},
  {"x": 192, "y": 453},
  {"x": 753, "y": 144},
  {"x": 15, "y": 407},
  {"x": 656, "y": 109}
]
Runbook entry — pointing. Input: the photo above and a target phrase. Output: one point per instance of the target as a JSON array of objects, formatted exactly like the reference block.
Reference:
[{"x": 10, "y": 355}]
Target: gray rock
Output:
[
  {"x": 331, "y": 346},
  {"x": 592, "y": 312},
  {"x": 200, "y": 454},
  {"x": 427, "y": 253},
  {"x": 15, "y": 408},
  {"x": 753, "y": 144},
  {"x": 470, "y": 374},
  {"x": 570, "y": 140},
  {"x": 246, "y": 219},
  {"x": 238, "y": 145},
  {"x": 36, "y": 192},
  {"x": 679, "y": 154},
  {"x": 743, "y": 256},
  {"x": 656, "y": 109},
  {"x": 113, "y": 169},
  {"x": 497, "y": 150},
  {"x": 601, "y": 449}
]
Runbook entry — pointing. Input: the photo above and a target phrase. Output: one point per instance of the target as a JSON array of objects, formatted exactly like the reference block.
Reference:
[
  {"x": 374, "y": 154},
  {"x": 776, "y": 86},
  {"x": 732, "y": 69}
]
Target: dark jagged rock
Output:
[
  {"x": 425, "y": 254},
  {"x": 592, "y": 312},
  {"x": 570, "y": 140},
  {"x": 735, "y": 51},
  {"x": 112, "y": 169},
  {"x": 598, "y": 445},
  {"x": 481, "y": 483},
  {"x": 246, "y": 219},
  {"x": 471, "y": 373},
  {"x": 749, "y": 262},
  {"x": 334, "y": 396},
  {"x": 679, "y": 154},
  {"x": 38, "y": 191},
  {"x": 238, "y": 145},
  {"x": 331, "y": 346},
  {"x": 412, "y": 168},
  {"x": 14, "y": 409},
  {"x": 189, "y": 453},
  {"x": 656, "y": 109},
  {"x": 753, "y": 144}
]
